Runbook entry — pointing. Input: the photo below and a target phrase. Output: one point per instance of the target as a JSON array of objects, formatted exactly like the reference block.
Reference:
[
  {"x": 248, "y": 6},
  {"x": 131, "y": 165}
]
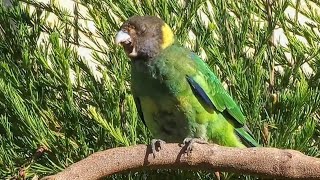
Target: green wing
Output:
[{"x": 207, "y": 87}]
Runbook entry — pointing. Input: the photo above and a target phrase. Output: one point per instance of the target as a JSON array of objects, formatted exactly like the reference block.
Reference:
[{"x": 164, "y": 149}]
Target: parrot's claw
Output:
[
  {"x": 154, "y": 144},
  {"x": 188, "y": 142}
]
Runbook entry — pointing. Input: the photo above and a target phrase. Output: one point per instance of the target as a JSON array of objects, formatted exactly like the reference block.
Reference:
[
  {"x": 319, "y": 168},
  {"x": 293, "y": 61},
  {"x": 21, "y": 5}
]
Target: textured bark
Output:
[{"x": 263, "y": 162}]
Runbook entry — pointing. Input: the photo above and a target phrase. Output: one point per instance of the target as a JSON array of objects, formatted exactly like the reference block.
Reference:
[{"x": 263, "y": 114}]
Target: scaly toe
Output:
[
  {"x": 156, "y": 144},
  {"x": 189, "y": 142}
]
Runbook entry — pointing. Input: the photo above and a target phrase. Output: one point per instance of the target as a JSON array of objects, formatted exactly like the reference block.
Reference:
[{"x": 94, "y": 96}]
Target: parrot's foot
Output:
[
  {"x": 188, "y": 142},
  {"x": 154, "y": 144}
]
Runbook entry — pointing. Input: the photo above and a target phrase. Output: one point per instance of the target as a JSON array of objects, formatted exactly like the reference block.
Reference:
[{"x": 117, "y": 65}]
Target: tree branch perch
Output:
[{"x": 266, "y": 162}]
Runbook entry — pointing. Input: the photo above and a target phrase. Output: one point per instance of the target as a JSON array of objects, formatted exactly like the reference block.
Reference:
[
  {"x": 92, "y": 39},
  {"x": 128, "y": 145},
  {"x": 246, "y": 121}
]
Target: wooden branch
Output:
[{"x": 266, "y": 162}]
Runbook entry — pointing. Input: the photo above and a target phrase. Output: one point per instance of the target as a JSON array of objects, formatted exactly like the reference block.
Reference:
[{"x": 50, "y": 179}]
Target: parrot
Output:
[{"x": 177, "y": 95}]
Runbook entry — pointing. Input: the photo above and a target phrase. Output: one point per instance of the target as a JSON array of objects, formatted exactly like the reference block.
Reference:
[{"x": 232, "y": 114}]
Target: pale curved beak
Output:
[{"x": 122, "y": 37}]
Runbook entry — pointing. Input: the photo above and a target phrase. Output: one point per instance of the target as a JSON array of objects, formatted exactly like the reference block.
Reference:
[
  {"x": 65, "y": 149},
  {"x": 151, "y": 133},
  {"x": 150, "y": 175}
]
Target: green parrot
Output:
[{"x": 177, "y": 96}]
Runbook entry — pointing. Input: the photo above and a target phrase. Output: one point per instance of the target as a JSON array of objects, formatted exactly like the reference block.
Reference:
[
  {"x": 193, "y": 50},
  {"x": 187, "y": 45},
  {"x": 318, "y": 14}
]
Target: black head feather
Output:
[{"x": 146, "y": 36}]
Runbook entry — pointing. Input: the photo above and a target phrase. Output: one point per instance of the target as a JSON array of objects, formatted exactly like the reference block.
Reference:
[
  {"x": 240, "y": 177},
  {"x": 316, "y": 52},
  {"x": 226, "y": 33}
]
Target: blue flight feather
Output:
[{"x": 198, "y": 91}]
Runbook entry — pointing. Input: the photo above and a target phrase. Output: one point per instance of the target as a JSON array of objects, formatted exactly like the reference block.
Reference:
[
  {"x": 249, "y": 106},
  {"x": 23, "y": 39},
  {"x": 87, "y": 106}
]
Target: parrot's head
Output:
[{"x": 143, "y": 37}]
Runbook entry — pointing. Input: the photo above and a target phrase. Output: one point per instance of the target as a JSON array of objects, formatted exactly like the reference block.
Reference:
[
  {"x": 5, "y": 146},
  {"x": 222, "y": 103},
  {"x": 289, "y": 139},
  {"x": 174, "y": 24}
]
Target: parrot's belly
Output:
[{"x": 170, "y": 120}]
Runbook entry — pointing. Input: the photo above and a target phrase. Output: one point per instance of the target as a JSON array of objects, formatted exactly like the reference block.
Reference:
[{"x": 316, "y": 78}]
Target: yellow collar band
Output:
[{"x": 167, "y": 36}]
